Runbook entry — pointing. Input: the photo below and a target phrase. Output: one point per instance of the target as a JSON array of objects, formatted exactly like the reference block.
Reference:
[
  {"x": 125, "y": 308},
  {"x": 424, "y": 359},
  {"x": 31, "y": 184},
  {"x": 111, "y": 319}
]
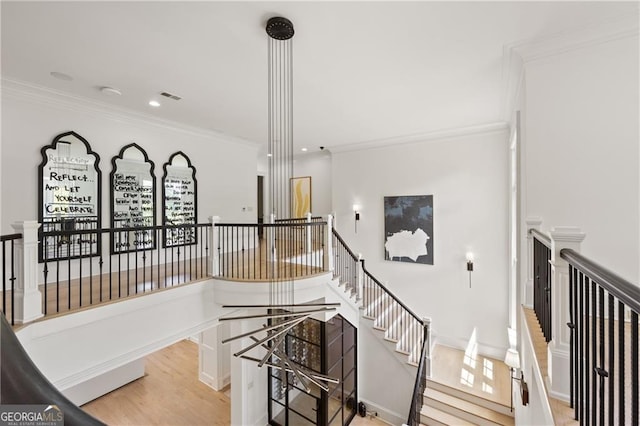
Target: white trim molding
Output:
[
  {"x": 41, "y": 95},
  {"x": 438, "y": 135}
]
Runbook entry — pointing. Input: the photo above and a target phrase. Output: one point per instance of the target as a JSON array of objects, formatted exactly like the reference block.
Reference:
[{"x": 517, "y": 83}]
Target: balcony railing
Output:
[
  {"x": 286, "y": 249},
  {"x": 604, "y": 360},
  {"x": 9, "y": 267},
  {"x": 542, "y": 281}
]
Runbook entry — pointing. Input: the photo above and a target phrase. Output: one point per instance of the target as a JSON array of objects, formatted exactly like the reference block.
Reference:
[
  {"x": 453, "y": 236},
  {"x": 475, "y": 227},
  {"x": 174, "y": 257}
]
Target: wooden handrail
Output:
[{"x": 615, "y": 285}]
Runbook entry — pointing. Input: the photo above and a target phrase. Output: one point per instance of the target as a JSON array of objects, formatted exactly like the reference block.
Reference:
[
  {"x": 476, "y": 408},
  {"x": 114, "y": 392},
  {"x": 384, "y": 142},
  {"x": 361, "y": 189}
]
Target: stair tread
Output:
[
  {"x": 469, "y": 407},
  {"x": 445, "y": 388},
  {"x": 442, "y": 417}
]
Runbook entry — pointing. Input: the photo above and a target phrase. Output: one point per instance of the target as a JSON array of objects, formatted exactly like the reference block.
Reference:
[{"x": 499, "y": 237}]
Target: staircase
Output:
[{"x": 443, "y": 404}]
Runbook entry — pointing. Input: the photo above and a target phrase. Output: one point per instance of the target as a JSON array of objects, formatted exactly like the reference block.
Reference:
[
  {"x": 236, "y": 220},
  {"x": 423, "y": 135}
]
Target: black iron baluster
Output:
[
  {"x": 13, "y": 284},
  {"x": 45, "y": 271},
  {"x": 4, "y": 279},
  {"x": 612, "y": 360},
  {"x": 621, "y": 368},
  {"x": 635, "y": 378},
  {"x": 572, "y": 326},
  {"x": 594, "y": 352},
  {"x": 79, "y": 266},
  {"x": 69, "y": 272},
  {"x": 601, "y": 370},
  {"x": 587, "y": 368}
]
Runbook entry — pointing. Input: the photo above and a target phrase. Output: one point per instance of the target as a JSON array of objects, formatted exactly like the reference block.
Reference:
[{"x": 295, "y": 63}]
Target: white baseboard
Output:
[
  {"x": 95, "y": 387},
  {"x": 215, "y": 384},
  {"x": 383, "y": 414},
  {"x": 461, "y": 344}
]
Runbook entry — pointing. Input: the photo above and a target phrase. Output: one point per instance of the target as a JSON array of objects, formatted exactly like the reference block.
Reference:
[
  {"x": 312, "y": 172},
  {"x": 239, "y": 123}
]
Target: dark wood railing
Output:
[
  {"x": 542, "y": 281},
  {"x": 417, "y": 399},
  {"x": 130, "y": 261},
  {"x": 9, "y": 273},
  {"x": 345, "y": 265},
  {"x": 604, "y": 360},
  {"x": 286, "y": 249},
  {"x": 389, "y": 313}
]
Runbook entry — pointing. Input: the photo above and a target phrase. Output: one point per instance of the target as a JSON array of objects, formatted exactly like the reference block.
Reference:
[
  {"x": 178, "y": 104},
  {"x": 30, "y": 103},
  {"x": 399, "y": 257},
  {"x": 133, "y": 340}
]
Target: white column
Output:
[
  {"x": 309, "y": 245},
  {"x": 214, "y": 256},
  {"x": 248, "y": 381},
  {"x": 28, "y": 299},
  {"x": 328, "y": 247},
  {"x": 558, "y": 349},
  {"x": 214, "y": 366},
  {"x": 527, "y": 290}
]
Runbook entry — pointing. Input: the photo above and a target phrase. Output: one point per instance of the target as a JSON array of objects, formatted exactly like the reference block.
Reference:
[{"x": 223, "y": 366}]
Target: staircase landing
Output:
[{"x": 467, "y": 388}]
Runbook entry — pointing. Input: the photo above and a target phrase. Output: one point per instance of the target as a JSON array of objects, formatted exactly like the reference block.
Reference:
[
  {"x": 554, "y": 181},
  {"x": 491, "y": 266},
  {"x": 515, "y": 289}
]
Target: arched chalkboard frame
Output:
[
  {"x": 133, "y": 201},
  {"x": 69, "y": 198},
  {"x": 179, "y": 200}
]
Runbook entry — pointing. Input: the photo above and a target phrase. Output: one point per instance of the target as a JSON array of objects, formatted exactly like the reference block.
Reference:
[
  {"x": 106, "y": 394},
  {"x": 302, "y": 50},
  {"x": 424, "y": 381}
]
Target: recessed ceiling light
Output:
[
  {"x": 154, "y": 104},
  {"x": 269, "y": 155},
  {"x": 304, "y": 149},
  {"x": 61, "y": 76},
  {"x": 110, "y": 91}
]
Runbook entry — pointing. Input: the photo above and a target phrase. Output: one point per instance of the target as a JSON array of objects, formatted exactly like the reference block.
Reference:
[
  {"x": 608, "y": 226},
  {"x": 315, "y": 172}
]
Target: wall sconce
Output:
[
  {"x": 512, "y": 359},
  {"x": 470, "y": 265},
  {"x": 356, "y": 209}
]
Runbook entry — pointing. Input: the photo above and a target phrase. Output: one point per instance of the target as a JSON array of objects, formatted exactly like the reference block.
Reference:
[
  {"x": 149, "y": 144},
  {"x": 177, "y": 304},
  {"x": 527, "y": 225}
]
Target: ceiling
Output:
[{"x": 363, "y": 71}]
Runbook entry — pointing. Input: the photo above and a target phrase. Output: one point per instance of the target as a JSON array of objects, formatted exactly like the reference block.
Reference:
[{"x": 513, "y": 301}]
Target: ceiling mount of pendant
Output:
[{"x": 280, "y": 28}]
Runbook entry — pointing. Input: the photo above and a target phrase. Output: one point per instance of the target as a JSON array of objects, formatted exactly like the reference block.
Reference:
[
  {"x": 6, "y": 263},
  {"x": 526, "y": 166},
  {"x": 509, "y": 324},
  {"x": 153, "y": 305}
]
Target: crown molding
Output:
[
  {"x": 517, "y": 54},
  {"x": 424, "y": 137},
  {"x": 586, "y": 36},
  {"x": 41, "y": 95}
]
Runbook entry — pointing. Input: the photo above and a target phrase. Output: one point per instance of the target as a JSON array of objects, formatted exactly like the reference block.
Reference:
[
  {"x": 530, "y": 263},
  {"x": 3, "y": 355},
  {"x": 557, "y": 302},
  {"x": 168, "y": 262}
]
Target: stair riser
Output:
[
  {"x": 470, "y": 417},
  {"x": 499, "y": 408},
  {"x": 427, "y": 421}
]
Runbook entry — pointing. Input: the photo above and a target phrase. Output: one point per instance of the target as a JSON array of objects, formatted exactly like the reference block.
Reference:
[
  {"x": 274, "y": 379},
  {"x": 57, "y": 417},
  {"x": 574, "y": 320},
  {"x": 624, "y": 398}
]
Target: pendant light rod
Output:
[
  {"x": 270, "y": 337},
  {"x": 282, "y": 315},
  {"x": 258, "y": 330},
  {"x": 295, "y": 305}
]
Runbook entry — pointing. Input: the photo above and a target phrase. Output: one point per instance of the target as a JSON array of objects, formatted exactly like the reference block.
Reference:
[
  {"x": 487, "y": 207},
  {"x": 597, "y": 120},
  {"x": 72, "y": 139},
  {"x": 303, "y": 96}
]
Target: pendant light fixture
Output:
[{"x": 282, "y": 311}]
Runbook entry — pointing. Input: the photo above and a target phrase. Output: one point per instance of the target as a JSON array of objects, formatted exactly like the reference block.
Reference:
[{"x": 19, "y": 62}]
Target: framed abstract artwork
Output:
[
  {"x": 300, "y": 196},
  {"x": 408, "y": 226}
]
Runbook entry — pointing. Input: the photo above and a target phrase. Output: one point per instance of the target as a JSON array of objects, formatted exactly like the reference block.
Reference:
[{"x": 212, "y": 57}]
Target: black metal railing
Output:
[
  {"x": 542, "y": 281},
  {"x": 9, "y": 274},
  {"x": 286, "y": 249},
  {"x": 87, "y": 276},
  {"x": 417, "y": 399},
  {"x": 604, "y": 360},
  {"x": 23, "y": 383},
  {"x": 390, "y": 314},
  {"x": 345, "y": 265}
]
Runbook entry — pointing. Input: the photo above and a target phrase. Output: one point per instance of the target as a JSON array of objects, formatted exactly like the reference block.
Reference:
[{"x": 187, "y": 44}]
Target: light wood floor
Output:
[
  {"x": 562, "y": 412},
  {"x": 473, "y": 373},
  {"x": 170, "y": 394}
]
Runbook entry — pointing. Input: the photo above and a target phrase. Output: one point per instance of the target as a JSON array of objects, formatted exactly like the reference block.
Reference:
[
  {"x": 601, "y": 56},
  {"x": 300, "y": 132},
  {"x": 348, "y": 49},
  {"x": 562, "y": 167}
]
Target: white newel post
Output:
[
  {"x": 527, "y": 296},
  {"x": 328, "y": 247},
  {"x": 309, "y": 245},
  {"x": 28, "y": 299},
  {"x": 558, "y": 349},
  {"x": 214, "y": 256},
  {"x": 360, "y": 278}
]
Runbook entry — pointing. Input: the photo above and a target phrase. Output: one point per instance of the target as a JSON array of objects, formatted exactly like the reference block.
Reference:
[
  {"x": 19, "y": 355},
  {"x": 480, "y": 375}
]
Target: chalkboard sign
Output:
[
  {"x": 179, "y": 200},
  {"x": 69, "y": 198},
  {"x": 133, "y": 195}
]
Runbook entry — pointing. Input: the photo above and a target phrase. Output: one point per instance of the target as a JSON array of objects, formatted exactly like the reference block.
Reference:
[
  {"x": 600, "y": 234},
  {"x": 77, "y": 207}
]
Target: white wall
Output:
[
  {"x": 468, "y": 178},
  {"x": 318, "y": 166},
  {"x": 582, "y": 150},
  {"x": 31, "y": 118}
]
